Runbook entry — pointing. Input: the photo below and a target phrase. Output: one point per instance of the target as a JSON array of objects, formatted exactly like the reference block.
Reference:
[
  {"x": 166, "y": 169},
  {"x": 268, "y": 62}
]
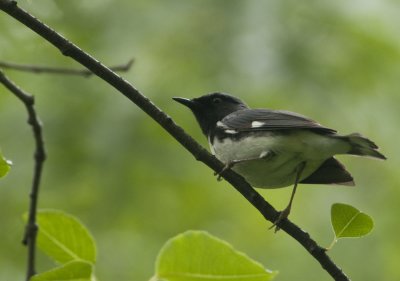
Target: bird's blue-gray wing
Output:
[{"x": 268, "y": 120}]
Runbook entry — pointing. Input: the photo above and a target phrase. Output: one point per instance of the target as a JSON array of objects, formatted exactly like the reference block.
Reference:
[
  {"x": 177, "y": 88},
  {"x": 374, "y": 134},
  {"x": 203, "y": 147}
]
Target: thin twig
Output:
[
  {"x": 71, "y": 50},
  {"x": 39, "y": 156},
  {"x": 38, "y": 69}
]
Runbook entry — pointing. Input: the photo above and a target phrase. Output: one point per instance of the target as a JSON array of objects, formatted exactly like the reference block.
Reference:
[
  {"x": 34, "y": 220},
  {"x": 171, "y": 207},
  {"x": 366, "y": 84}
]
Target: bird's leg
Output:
[
  {"x": 285, "y": 212},
  {"x": 230, "y": 164}
]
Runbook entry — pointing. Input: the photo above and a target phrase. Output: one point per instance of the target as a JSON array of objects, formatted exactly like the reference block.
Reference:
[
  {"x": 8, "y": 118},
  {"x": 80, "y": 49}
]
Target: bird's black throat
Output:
[{"x": 211, "y": 108}]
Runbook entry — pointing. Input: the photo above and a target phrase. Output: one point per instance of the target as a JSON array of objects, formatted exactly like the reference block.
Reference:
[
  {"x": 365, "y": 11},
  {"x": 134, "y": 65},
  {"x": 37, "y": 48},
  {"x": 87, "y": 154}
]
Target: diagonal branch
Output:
[
  {"x": 40, "y": 156},
  {"x": 60, "y": 70},
  {"x": 269, "y": 213}
]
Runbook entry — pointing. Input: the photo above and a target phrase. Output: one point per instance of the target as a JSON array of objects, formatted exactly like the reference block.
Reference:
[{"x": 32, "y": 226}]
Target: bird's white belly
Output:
[
  {"x": 285, "y": 153},
  {"x": 277, "y": 173}
]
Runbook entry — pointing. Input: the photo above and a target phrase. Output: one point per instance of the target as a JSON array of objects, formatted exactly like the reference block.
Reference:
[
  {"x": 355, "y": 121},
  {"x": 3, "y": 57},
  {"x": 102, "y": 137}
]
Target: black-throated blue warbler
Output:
[{"x": 274, "y": 148}]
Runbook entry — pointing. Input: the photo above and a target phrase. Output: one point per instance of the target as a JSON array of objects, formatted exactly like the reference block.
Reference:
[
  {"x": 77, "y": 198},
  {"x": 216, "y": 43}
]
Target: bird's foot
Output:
[
  {"x": 282, "y": 216},
  {"x": 226, "y": 167},
  {"x": 264, "y": 155}
]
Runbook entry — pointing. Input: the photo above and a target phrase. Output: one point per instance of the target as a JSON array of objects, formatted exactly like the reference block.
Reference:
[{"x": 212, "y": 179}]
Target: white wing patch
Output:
[
  {"x": 221, "y": 125},
  {"x": 257, "y": 124},
  {"x": 229, "y": 131}
]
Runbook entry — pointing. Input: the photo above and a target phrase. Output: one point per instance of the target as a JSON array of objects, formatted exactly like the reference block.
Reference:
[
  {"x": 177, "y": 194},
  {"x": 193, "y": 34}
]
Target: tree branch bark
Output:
[
  {"x": 40, "y": 156},
  {"x": 69, "y": 49},
  {"x": 60, "y": 70}
]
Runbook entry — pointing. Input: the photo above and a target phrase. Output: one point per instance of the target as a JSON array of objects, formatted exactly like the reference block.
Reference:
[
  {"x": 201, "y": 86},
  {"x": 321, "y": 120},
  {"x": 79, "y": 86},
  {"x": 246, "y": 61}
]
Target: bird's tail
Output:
[{"x": 362, "y": 146}]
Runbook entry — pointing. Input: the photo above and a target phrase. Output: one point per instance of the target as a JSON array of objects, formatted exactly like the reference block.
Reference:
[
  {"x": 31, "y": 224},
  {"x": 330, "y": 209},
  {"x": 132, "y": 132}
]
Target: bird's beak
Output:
[{"x": 186, "y": 102}]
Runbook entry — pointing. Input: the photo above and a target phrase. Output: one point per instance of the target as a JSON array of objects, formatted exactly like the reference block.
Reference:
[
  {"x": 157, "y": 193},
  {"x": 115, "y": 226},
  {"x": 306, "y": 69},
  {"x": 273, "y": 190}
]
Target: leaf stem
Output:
[{"x": 334, "y": 241}]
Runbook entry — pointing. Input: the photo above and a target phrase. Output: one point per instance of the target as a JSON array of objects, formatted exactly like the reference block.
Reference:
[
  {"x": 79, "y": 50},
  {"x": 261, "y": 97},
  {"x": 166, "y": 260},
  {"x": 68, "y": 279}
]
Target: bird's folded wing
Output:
[{"x": 267, "y": 120}]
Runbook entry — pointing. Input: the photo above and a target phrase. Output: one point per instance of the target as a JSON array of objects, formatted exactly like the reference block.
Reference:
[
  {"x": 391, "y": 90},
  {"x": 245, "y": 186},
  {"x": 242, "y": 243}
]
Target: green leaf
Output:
[
  {"x": 196, "y": 256},
  {"x": 72, "y": 271},
  {"x": 347, "y": 221},
  {"x": 5, "y": 165},
  {"x": 64, "y": 238}
]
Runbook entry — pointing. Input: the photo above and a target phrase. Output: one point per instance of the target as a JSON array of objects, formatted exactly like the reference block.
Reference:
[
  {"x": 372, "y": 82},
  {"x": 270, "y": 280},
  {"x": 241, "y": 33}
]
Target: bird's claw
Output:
[
  {"x": 226, "y": 167},
  {"x": 219, "y": 177},
  {"x": 282, "y": 215}
]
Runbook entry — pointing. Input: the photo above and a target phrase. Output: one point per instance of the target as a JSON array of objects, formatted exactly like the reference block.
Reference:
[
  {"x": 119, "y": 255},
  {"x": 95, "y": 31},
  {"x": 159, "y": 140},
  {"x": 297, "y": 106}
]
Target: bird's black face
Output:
[{"x": 211, "y": 108}]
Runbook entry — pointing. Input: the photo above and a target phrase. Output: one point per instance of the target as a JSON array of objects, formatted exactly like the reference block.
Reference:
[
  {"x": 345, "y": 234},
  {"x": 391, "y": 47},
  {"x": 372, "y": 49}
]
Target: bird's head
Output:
[{"x": 211, "y": 108}]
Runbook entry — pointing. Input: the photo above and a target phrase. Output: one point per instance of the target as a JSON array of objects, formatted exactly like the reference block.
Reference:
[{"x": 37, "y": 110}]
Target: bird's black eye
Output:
[{"x": 216, "y": 100}]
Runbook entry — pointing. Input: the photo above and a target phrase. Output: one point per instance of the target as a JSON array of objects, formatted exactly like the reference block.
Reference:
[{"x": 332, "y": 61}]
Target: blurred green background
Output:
[{"x": 135, "y": 187}]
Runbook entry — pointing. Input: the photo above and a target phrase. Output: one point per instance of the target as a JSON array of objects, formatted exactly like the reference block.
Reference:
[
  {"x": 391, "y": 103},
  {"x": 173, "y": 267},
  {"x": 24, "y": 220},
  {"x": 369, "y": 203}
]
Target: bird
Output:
[{"x": 275, "y": 148}]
